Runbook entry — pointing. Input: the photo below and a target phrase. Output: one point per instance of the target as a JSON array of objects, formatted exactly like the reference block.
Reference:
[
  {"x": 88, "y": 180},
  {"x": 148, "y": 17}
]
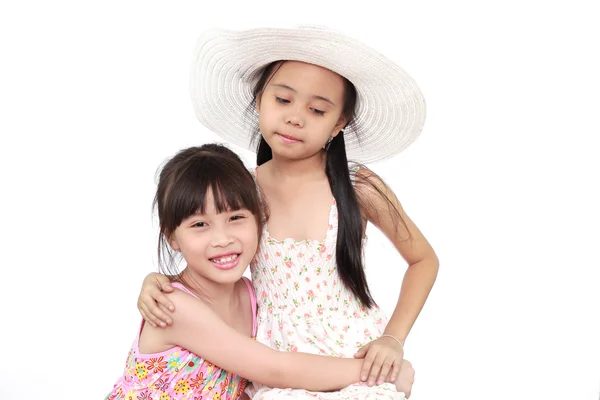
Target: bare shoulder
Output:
[{"x": 373, "y": 193}]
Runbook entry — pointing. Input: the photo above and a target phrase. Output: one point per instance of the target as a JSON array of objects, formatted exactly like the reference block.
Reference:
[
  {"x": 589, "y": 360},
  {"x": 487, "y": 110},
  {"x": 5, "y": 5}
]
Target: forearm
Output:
[
  {"x": 318, "y": 373},
  {"x": 416, "y": 286}
]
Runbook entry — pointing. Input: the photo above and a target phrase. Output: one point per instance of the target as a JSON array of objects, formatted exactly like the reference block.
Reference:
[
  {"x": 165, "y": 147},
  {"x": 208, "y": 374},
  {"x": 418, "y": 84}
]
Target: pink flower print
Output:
[
  {"x": 324, "y": 283},
  {"x": 288, "y": 262},
  {"x": 318, "y": 271},
  {"x": 334, "y": 282},
  {"x": 266, "y": 255},
  {"x": 287, "y": 275},
  {"x": 280, "y": 281},
  {"x": 320, "y": 310},
  {"x": 281, "y": 327},
  {"x": 306, "y": 315},
  {"x": 293, "y": 348},
  {"x": 311, "y": 260},
  {"x": 296, "y": 285},
  {"x": 355, "y": 315},
  {"x": 329, "y": 256},
  {"x": 341, "y": 336},
  {"x": 299, "y": 255},
  {"x": 269, "y": 334},
  {"x": 264, "y": 294},
  {"x": 322, "y": 351},
  {"x": 276, "y": 295},
  {"x": 278, "y": 254},
  {"x": 292, "y": 247},
  {"x": 322, "y": 248},
  {"x": 330, "y": 227},
  {"x": 334, "y": 202},
  {"x": 318, "y": 286},
  {"x": 328, "y": 297},
  {"x": 367, "y": 333},
  {"x": 307, "y": 279},
  {"x": 311, "y": 295},
  {"x": 346, "y": 328},
  {"x": 379, "y": 321}
]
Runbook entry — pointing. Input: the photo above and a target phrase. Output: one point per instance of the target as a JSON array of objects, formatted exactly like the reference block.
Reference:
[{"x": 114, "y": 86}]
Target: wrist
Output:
[{"x": 397, "y": 339}]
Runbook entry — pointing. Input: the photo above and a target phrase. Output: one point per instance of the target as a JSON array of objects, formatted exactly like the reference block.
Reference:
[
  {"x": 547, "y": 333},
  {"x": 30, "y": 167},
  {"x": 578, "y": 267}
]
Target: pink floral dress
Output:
[
  {"x": 303, "y": 306},
  {"x": 177, "y": 374}
]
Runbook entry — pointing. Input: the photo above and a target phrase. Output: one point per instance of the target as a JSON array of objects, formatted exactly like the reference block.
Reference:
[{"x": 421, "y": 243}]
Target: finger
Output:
[
  {"x": 366, "y": 367},
  {"x": 156, "y": 314},
  {"x": 164, "y": 283},
  {"x": 146, "y": 316},
  {"x": 395, "y": 370},
  {"x": 375, "y": 368},
  {"x": 362, "y": 351},
  {"x": 169, "y": 320},
  {"x": 160, "y": 298},
  {"x": 386, "y": 366}
]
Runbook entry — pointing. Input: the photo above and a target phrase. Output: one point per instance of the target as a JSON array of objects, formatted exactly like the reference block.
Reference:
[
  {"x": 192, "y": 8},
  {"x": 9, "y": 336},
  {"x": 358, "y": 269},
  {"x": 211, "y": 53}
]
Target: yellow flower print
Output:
[
  {"x": 165, "y": 396},
  {"x": 182, "y": 386},
  {"x": 141, "y": 371}
]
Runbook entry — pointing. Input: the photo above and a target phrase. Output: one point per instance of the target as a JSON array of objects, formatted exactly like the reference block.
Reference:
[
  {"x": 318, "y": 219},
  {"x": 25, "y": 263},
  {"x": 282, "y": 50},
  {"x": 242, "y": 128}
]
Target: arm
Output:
[
  {"x": 197, "y": 328},
  {"x": 381, "y": 207}
]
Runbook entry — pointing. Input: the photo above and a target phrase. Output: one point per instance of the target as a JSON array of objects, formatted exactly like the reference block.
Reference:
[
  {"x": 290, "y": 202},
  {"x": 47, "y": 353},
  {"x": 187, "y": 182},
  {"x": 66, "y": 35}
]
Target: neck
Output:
[
  {"x": 285, "y": 168},
  {"x": 219, "y": 296}
]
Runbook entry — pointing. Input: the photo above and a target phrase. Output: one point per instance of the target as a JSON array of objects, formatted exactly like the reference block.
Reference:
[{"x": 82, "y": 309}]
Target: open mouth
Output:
[{"x": 227, "y": 261}]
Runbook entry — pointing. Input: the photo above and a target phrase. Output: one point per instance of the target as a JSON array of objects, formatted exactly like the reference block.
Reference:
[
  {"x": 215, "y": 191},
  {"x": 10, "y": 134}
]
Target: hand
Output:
[
  {"x": 152, "y": 303},
  {"x": 406, "y": 378},
  {"x": 383, "y": 357}
]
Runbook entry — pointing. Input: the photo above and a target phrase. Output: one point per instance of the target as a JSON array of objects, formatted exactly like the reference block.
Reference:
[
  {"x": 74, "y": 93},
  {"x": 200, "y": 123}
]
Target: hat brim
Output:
[{"x": 390, "y": 109}]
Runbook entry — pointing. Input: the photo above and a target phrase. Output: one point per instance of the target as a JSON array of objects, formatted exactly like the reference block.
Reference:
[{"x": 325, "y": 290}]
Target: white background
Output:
[{"x": 503, "y": 182}]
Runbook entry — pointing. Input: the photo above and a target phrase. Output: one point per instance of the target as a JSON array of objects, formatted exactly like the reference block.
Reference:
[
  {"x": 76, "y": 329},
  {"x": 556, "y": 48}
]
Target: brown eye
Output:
[{"x": 282, "y": 101}]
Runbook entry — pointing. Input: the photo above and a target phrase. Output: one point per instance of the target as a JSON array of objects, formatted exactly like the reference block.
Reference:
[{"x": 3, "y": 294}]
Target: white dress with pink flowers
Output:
[{"x": 303, "y": 306}]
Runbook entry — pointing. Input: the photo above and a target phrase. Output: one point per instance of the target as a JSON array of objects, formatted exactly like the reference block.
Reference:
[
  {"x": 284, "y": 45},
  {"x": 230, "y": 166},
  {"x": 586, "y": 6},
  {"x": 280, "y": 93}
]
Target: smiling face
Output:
[
  {"x": 217, "y": 246},
  {"x": 300, "y": 109}
]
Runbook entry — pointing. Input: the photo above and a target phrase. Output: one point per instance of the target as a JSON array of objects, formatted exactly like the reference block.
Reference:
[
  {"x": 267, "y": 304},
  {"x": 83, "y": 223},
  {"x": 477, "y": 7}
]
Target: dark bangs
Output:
[{"x": 191, "y": 175}]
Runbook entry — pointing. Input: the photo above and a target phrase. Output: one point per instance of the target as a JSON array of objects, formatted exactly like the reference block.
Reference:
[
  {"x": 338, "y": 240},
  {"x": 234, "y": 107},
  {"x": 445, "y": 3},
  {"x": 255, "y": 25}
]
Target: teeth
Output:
[{"x": 224, "y": 260}]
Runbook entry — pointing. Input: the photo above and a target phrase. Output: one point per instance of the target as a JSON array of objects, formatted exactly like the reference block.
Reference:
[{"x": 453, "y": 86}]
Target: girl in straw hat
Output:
[{"x": 308, "y": 99}]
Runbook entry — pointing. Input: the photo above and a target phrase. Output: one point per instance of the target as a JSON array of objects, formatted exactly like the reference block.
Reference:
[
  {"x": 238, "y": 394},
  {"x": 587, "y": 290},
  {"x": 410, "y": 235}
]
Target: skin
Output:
[
  {"x": 297, "y": 122},
  {"x": 218, "y": 324}
]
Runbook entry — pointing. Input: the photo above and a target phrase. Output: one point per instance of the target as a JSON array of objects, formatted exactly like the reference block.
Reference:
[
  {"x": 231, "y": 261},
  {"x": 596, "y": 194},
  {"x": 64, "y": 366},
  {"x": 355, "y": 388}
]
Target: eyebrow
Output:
[{"x": 284, "y": 86}]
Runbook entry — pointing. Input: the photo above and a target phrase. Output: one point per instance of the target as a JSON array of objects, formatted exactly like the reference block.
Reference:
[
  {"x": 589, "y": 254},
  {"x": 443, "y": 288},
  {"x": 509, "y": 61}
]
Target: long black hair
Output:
[{"x": 350, "y": 228}]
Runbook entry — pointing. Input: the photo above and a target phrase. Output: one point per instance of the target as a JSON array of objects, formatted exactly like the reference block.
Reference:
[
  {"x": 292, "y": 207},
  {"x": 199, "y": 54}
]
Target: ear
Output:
[
  {"x": 339, "y": 126},
  {"x": 173, "y": 243}
]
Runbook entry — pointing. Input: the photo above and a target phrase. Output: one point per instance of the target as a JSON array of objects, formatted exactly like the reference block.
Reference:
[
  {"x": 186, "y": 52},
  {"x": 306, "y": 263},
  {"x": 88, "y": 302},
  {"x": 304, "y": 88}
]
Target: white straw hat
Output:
[{"x": 390, "y": 109}]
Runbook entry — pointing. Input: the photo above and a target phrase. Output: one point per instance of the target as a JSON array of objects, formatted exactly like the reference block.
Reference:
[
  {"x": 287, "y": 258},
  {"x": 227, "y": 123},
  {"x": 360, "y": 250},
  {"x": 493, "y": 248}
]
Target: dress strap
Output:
[{"x": 253, "y": 305}]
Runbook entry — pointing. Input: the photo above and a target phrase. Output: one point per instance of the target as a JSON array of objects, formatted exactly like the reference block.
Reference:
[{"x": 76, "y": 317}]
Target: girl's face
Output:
[
  {"x": 217, "y": 246},
  {"x": 300, "y": 109}
]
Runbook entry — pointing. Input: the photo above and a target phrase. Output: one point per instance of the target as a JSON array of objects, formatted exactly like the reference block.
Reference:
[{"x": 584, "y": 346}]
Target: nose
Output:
[
  {"x": 294, "y": 117},
  {"x": 221, "y": 237}
]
